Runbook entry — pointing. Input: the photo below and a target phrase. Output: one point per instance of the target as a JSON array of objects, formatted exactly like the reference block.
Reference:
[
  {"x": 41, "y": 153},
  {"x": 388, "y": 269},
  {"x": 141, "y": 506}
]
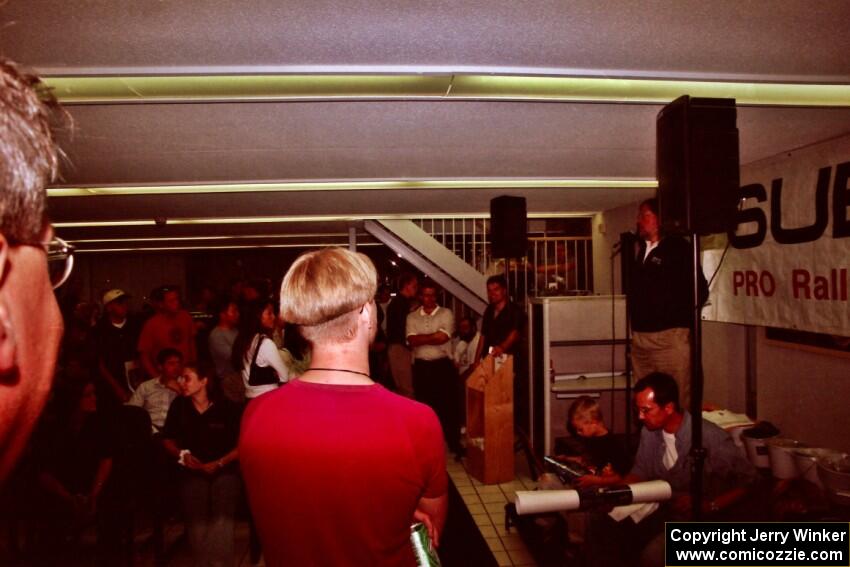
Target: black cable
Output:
[
  {"x": 717, "y": 269},
  {"x": 613, "y": 340},
  {"x": 725, "y": 250}
]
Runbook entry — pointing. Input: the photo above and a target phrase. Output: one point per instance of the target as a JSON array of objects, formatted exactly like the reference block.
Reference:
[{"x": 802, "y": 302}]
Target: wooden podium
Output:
[{"x": 490, "y": 421}]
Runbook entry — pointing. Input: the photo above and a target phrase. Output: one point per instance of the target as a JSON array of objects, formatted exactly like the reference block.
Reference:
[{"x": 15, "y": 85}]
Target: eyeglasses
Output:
[
  {"x": 60, "y": 259},
  {"x": 643, "y": 410}
]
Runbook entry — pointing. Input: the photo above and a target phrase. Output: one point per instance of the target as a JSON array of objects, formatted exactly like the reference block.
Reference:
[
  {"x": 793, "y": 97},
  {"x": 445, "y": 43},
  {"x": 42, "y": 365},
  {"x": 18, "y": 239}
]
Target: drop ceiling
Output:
[{"x": 401, "y": 137}]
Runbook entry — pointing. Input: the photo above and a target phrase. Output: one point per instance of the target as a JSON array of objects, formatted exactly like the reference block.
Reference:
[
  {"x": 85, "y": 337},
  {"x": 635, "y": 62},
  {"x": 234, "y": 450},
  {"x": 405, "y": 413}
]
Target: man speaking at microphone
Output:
[{"x": 661, "y": 302}]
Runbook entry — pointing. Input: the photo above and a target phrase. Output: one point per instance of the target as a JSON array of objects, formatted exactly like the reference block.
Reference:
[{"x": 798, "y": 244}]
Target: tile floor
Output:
[{"x": 486, "y": 503}]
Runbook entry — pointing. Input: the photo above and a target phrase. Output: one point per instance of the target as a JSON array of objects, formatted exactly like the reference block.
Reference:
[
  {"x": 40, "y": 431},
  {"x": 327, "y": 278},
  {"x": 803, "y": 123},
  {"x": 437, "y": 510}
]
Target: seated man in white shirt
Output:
[
  {"x": 664, "y": 453},
  {"x": 155, "y": 395}
]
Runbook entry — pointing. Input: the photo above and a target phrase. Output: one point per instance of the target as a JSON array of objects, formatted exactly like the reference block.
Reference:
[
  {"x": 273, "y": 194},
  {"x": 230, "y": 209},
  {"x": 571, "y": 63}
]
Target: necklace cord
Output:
[{"x": 340, "y": 370}]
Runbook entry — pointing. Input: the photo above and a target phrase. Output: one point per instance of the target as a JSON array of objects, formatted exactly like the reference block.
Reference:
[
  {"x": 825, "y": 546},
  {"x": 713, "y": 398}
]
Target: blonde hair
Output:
[
  {"x": 584, "y": 408},
  {"x": 322, "y": 290},
  {"x": 28, "y": 155}
]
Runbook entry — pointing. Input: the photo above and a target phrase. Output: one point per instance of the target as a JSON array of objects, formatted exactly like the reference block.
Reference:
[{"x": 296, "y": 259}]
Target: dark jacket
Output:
[{"x": 661, "y": 288}]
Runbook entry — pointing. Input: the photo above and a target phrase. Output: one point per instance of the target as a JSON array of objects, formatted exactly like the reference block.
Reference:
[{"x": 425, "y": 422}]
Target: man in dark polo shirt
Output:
[
  {"x": 501, "y": 333},
  {"x": 397, "y": 352},
  {"x": 501, "y": 327}
]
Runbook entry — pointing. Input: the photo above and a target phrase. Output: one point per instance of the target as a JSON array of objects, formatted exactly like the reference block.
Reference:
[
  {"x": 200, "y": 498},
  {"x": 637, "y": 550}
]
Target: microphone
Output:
[{"x": 626, "y": 239}]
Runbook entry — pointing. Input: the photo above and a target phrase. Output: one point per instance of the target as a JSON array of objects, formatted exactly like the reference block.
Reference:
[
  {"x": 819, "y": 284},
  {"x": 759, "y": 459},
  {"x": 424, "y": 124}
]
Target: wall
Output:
[
  {"x": 607, "y": 227},
  {"x": 137, "y": 274},
  {"x": 724, "y": 363},
  {"x": 805, "y": 394}
]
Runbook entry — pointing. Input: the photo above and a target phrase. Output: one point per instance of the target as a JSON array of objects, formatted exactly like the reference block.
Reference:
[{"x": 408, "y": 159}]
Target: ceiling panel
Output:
[
  {"x": 791, "y": 39},
  {"x": 154, "y": 143},
  {"x": 186, "y": 143},
  {"x": 171, "y": 143}
]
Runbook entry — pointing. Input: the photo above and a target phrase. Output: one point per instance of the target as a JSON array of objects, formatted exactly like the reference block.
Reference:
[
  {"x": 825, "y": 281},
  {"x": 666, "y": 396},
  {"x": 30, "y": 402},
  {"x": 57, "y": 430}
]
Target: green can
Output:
[{"x": 426, "y": 555}]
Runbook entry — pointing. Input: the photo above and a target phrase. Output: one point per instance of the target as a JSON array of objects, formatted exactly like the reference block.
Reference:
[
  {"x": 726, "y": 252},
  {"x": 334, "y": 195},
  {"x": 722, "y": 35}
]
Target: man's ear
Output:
[{"x": 8, "y": 344}]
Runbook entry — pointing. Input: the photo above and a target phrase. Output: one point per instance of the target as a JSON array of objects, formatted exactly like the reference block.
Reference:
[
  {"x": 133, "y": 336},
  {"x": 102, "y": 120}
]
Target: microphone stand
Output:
[
  {"x": 627, "y": 253},
  {"x": 698, "y": 452}
]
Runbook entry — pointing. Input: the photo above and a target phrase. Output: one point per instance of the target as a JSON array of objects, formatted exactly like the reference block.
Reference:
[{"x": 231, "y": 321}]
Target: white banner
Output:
[{"x": 788, "y": 264}]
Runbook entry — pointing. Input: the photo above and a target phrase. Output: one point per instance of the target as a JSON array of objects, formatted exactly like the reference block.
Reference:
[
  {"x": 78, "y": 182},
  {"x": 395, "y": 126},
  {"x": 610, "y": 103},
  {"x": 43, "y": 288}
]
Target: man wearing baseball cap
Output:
[{"x": 116, "y": 336}]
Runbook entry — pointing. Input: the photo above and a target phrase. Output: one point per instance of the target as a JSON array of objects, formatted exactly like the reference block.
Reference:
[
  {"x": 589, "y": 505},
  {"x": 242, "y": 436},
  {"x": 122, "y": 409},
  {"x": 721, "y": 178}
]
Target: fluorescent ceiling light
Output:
[
  {"x": 235, "y": 237},
  {"x": 270, "y": 87},
  {"x": 353, "y": 186},
  {"x": 318, "y": 218},
  {"x": 212, "y": 247}
]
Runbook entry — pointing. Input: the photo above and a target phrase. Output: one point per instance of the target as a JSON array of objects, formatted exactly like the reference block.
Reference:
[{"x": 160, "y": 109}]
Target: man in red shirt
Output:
[
  {"x": 171, "y": 327},
  {"x": 337, "y": 468}
]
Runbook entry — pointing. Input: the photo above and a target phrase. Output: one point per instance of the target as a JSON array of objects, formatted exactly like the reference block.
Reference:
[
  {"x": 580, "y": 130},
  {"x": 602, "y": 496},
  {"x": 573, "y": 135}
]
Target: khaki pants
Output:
[
  {"x": 667, "y": 351},
  {"x": 401, "y": 361}
]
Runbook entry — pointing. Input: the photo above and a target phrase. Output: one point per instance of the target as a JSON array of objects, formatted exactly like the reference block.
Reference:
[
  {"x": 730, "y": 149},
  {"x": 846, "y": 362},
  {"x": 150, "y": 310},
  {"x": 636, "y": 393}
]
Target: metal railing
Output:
[{"x": 555, "y": 265}]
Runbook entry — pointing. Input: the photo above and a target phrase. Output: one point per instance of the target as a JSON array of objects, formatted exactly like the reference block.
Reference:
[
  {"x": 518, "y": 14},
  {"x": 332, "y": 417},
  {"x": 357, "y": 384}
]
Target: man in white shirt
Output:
[
  {"x": 429, "y": 330},
  {"x": 466, "y": 344},
  {"x": 664, "y": 453},
  {"x": 155, "y": 395}
]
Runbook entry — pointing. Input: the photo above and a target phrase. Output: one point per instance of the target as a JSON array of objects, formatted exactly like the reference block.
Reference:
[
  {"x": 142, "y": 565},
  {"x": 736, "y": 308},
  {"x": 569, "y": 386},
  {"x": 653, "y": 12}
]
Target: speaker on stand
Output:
[
  {"x": 508, "y": 227},
  {"x": 697, "y": 167}
]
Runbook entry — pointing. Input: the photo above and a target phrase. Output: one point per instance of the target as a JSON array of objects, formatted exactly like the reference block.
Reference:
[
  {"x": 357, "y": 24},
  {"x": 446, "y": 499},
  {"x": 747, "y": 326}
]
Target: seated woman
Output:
[
  {"x": 201, "y": 432},
  {"x": 255, "y": 352},
  {"x": 73, "y": 453}
]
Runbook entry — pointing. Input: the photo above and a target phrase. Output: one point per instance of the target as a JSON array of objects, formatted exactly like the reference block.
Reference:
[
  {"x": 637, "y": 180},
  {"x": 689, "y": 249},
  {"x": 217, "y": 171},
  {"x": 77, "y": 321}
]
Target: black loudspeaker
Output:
[
  {"x": 697, "y": 165},
  {"x": 508, "y": 227}
]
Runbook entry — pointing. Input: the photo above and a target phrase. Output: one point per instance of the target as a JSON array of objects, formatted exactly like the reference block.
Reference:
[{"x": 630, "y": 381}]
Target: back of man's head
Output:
[
  {"x": 28, "y": 156},
  {"x": 663, "y": 385},
  {"x": 322, "y": 290}
]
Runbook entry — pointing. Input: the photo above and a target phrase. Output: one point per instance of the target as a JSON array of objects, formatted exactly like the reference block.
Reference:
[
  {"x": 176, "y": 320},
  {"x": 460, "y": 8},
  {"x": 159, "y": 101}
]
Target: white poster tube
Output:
[{"x": 540, "y": 501}]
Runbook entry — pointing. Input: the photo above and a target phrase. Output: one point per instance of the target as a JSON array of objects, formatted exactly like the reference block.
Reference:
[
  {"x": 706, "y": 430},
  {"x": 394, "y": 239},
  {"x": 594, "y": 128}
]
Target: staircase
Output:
[{"x": 455, "y": 253}]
